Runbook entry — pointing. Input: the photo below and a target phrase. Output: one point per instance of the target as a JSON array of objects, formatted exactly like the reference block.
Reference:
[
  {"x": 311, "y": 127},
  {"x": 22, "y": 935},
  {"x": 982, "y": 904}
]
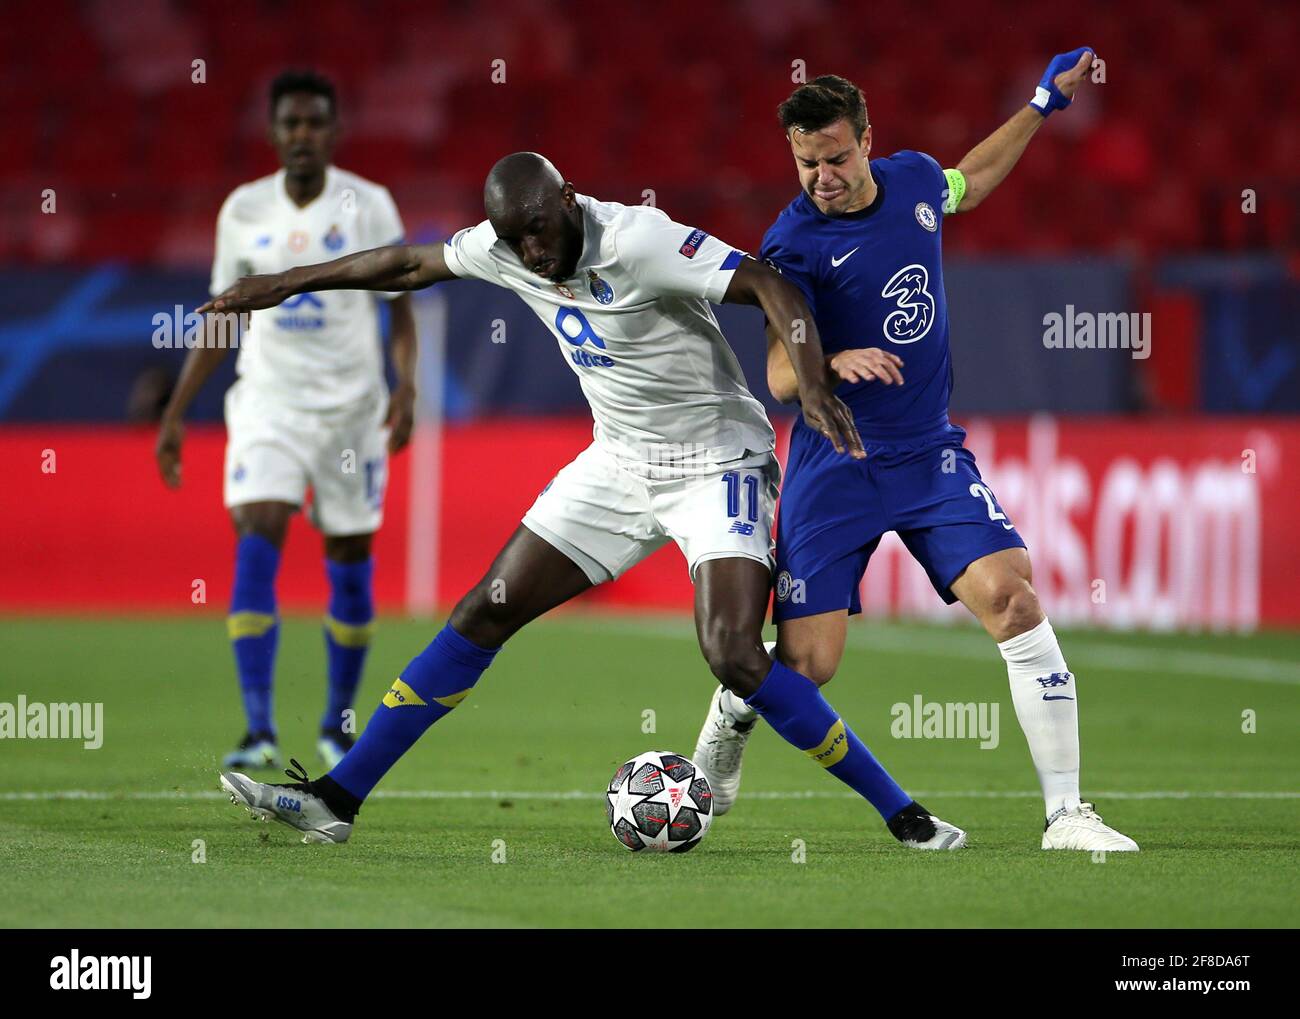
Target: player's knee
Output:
[
  {"x": 483, "y": 618},
  {"x": 352, "y": 548},
  {"x": 736, "y": 658},
  {"x": 1015, "y": 609},
  {"x": 266, "y": 520},
  {"x": 816, "y": 664}
]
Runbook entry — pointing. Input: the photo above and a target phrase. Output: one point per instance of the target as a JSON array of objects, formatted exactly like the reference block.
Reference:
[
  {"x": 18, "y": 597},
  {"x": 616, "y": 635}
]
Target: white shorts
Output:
[
  {"x": 607, "y": 519},
  {"x": 274, "y": 452}
]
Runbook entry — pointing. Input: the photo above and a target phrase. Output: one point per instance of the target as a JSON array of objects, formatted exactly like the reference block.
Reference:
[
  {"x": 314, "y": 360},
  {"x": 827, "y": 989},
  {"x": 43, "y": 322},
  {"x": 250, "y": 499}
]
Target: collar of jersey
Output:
[{"x": 282, "y": 193}]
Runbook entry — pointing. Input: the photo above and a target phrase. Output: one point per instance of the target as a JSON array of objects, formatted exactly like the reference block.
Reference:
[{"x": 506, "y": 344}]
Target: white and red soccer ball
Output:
[{"x": 659, "y": 801}]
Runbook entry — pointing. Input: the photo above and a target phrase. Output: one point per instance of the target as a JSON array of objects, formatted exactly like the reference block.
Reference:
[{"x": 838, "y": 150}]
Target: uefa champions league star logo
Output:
[
  {"x": 926, "y": 217},
  {"x": 600, "y": 290}
]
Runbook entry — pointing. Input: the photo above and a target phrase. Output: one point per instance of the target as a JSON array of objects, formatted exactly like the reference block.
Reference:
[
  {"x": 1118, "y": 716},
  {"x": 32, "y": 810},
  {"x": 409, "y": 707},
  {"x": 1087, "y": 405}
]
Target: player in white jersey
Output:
[
  {"x": 310, "y": 408},
  {"x": 682, "y": 452}
]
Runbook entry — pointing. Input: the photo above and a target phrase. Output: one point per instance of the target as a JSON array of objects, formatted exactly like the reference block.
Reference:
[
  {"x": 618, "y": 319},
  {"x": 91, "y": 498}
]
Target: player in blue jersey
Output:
[{"x": 862, "y": 241}]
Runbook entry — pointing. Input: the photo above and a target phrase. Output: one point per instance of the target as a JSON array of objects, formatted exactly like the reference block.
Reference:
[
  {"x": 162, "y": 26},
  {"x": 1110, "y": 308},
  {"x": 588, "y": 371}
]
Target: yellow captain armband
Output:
[{"x": 956, "y": 190}]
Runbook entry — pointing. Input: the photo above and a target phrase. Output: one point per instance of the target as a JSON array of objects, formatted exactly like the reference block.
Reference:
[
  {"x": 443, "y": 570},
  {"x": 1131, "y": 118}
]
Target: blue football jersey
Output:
[{"x": 874, "y": 278}]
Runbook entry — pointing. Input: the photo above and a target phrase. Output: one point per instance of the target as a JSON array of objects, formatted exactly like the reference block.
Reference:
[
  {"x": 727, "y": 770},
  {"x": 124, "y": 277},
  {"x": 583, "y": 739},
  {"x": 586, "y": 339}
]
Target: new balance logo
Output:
[{"x": 737, "y": 527}]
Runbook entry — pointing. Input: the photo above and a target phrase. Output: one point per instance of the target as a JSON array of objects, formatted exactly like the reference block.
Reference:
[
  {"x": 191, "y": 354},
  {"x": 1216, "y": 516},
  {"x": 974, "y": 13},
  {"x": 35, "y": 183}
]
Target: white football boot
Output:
[
  {"x": 718, "y": 752},
  {"x": 294, "y": 804},
  {"x": 917, "y": 828},
  {"x": 1082, "y": 828}
]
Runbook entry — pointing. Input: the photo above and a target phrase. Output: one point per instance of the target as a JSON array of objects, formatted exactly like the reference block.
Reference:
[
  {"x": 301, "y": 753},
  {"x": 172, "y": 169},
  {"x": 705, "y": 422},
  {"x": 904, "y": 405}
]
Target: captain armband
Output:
[{"x": 956, "y": 191}]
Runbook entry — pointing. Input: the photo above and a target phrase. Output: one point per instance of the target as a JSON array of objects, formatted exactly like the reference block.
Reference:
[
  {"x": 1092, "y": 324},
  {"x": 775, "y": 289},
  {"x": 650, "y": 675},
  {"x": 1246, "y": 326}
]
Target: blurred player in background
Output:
[
  {"x": 682, "y": 452},
  {"x": 310, "y": 408},
  {"x": 862, "y": 243}
]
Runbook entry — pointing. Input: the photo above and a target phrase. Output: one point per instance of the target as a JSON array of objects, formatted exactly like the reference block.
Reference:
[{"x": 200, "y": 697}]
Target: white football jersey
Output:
[
  {"x": 635, "y": 325},
  {"x": 320, "y": 350}
]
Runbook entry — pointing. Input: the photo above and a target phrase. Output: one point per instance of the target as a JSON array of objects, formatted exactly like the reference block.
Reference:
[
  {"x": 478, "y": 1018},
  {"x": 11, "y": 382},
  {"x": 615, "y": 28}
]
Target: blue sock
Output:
[
  {"x": 253, "y": 627},
  {"x": 348, "y": 628},
  {"x": 436, "y": 680},
  {"x": 793, "y": 706}
]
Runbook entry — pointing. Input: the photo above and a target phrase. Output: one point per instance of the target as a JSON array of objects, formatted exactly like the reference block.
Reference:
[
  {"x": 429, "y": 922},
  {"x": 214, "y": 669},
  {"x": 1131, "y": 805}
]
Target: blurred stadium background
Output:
[{"x": 1169, "y": 189}]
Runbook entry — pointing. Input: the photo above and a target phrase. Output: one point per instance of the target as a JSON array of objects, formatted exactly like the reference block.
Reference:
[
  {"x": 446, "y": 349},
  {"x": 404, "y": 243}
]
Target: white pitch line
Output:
[
  {"x": 977, "y": 647},
  {"x": 579, "y": 794}
]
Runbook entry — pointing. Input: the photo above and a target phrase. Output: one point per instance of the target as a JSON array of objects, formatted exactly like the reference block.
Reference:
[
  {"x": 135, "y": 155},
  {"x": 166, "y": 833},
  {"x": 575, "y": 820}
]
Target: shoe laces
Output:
[
  {"x": 1090, "y": 818},
  {"x": 299, "y": 775},
  {"x": 726, "y": 744}
]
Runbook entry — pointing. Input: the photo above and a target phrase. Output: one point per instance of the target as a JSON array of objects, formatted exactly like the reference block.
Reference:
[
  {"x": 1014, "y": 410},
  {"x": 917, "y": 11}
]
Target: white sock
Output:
[
  {"x": 735, "y": 706},
  {"x": 1036, "y": 670}
]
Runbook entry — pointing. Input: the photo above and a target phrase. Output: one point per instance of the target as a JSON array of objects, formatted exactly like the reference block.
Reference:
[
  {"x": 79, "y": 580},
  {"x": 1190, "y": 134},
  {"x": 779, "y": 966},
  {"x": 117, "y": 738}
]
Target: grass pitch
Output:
[{"x": 110, "y": 837}]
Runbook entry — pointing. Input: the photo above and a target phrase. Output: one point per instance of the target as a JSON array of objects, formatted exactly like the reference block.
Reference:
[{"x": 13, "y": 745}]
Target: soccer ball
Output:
[{"x": 659, "y": 801}]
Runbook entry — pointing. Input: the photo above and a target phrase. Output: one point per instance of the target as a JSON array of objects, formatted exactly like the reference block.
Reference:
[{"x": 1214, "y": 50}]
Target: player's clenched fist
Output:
[
  {"x": 1062, "y": 78},
  {"x": 250, "y": 293},
  {"x": 865, "y": 364}
]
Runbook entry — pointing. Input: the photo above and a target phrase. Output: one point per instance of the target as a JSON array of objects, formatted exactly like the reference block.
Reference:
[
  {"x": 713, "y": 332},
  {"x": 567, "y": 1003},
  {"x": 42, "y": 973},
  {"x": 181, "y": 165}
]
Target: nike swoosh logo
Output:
[
  {"x": 1047, "y": 698},
  {"x": 837, "y": 262}
]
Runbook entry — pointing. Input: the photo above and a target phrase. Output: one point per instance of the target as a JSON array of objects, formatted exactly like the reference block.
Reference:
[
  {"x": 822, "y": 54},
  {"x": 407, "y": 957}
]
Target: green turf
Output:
[{"x": 564, "y": 706}]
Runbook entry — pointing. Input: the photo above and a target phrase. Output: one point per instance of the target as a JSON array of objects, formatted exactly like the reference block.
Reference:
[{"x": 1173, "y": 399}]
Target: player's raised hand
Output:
[
  {"x": 401, "y": 417},
  {"x": 825, "y": 412},
  {"x": 867, "y": 363},
  {"x": 1062, "y": 79},
  {"x": 167, "y": 451},
  {"x": 250, "y": 293}
]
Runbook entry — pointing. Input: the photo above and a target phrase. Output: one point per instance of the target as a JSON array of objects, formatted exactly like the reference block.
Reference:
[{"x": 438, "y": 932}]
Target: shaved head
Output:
[
  {"x": 535, "y": 211},
  {"x": 521, "y": 178}
]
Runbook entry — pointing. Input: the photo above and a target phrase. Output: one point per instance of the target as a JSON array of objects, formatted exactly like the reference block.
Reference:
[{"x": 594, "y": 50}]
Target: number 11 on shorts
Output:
[{"x": 732, "y": 480}]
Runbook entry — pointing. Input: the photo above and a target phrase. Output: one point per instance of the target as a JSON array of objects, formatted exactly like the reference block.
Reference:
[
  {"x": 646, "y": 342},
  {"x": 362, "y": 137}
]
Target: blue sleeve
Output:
[
  {"x": 941, "y": 182},
  {"x": 792, "y": 263}
]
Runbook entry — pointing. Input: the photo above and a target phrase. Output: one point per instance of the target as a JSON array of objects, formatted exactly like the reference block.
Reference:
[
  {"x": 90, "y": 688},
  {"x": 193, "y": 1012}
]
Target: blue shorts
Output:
[{"x": 834, "y": 511}]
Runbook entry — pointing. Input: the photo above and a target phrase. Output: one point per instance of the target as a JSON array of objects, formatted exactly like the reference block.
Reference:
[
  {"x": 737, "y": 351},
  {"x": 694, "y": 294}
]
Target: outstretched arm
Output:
[
  {"x": 986, "y": 165},
  {"x": 399, "y": 267},
  {"x": 791, "y": 320}
]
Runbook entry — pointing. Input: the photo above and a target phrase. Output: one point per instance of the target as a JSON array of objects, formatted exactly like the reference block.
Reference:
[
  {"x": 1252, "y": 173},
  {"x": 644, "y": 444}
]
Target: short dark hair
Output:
[
  {"x": 821, "y": 102},
  {"x": 288, "y": 82}
]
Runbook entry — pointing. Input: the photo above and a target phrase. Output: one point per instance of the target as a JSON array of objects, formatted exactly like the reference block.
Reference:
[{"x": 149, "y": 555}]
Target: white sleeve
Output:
[
  {"x": 468, "y": 253},
  {"x": 674, "y": 260},
  {"x": 225, "y": 258},
  {"x": 384, "y": 227}
]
